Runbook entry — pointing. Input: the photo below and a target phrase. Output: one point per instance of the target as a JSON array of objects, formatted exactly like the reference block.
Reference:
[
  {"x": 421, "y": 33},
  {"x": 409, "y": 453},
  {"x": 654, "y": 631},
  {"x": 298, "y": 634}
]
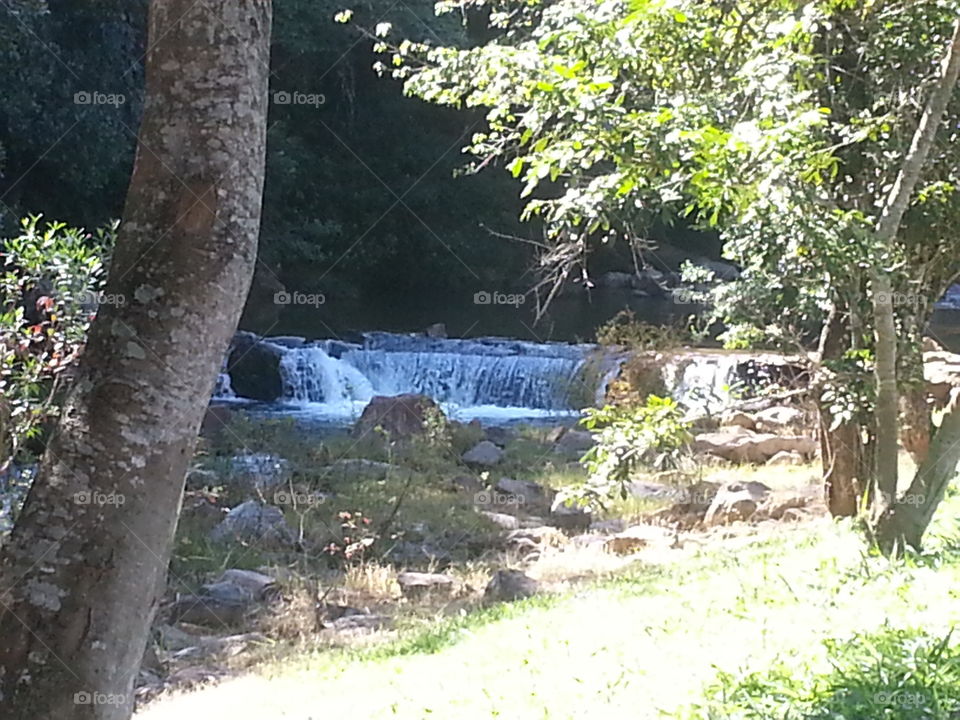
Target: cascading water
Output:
[{"x": 487, "y": 377}]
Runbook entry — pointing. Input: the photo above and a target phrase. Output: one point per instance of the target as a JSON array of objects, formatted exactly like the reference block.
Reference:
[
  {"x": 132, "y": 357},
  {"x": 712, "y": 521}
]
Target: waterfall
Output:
[{"x": 311, "y": 375}]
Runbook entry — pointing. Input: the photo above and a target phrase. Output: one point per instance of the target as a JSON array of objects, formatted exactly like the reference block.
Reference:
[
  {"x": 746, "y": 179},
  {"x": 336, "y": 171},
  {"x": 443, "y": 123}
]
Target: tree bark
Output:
[
  {"x": 81, "y": 575},
  {"x": 884, "y": 324}
]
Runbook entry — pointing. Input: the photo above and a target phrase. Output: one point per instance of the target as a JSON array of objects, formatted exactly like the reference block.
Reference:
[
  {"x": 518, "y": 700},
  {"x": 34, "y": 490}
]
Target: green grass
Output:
[{"x": 674, "y": 640}]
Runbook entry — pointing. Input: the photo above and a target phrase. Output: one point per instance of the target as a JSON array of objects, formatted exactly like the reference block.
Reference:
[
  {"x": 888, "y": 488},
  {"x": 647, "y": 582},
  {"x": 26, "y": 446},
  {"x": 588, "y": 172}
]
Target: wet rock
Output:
[
  {"x": 510, "y": 585},
  {"x": 254, "y": 368},
  {"x": 400, "y": 416},
  {"x": 484, "y": 453},
  {"x": 253, "y": 522},
  {"x": 418, "y": 585}
]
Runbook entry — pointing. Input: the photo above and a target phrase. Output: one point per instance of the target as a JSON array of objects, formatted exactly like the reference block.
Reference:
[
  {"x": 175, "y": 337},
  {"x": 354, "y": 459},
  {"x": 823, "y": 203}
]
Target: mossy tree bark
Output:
[{"x": 85, "y": 566}]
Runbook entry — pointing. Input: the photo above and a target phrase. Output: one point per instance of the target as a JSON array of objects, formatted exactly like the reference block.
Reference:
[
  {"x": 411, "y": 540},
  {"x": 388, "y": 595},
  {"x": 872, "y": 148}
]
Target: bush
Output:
[
  {"x": 889, "y": 675},
  {"x": 49, "y": 291}
]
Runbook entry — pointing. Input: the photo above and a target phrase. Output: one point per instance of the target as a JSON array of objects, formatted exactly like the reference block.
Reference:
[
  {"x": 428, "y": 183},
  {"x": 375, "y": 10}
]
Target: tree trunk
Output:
[
  {"x": 82, "y": 573},
  {"x": 887, "y": 228},
  {"x": 904, "y": 522},
  {"x": 843, "y": 454}
]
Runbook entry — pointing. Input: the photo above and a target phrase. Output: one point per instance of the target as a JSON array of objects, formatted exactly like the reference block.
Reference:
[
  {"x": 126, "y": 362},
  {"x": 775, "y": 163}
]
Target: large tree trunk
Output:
[
  {"x": 885, "y": 328},
  {"x": 83, "y": 570}
]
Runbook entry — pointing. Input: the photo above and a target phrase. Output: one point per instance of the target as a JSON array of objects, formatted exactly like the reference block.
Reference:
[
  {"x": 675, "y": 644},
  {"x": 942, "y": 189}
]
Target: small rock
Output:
[
  {"x": 417, "y": 585},
  {"x": 778, "y": 418},
  {"x": 510, "y": 585},
  {"x": 438, "y": 331},
  {"x": 484, "y": 453},
  {"x": 467, "y": 484},
  {"x": 507, "y": 522},
  {"x": 571, "y": 518},
  {"x": 400, "y": 416},
  {"x": 499, "y": 435},
  {"x": 786, "y": 457},
  {"x": 574, "y": 442},
  {"x": 360, "y": 623}
]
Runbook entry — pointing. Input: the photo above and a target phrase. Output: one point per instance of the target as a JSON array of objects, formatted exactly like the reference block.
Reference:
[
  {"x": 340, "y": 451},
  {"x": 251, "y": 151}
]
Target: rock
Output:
[
  {"x": 254, "y": 368},
  {"x": 199, "y": 479},
  {"x": 499, "y": 435},
  {"x": 744, "y": 446},
  {"x": 735, "y": 501},
  {"x": 589, "y": 540},
  {"x": 574, "y": 443},
  {"x": 288, "y": 341},
  {"x": 739, "y": 419},
  {"x": 400, "y": 416},
  {"x": 611, "y": 525},
  {"x": 786, "y": 457},
  {"x": 778, "y": 507},
  {"x": 636, "y": 538},
  {"x": 484, "y": 453},
  {"x": 193, "y": 676},
  {"x": 259, "y": 471},
  {"x": 572, "y": 518},
  {"x": 510, "y": 585},
  {"x": 437, "y": 331},
  {"x": 417, "y": 585},
  {"x": 363, "y": 622},
  {"x": 216, "y": 420},
  {"x": 467, "y": 484},
  {"x": 262, "y": 587},
  {"x": 217, "y": 604},
  {"x": 721, "y": 270},
  {"x": 526, "y": 494},
  {"x": 200, "y": 512},
  {"x": 774, "y": 419},
  {"x": 507, "y": 522},
  {"x": 541, "y": 536},
  {"x": 253, "y": 522},
  {"x": 693, "y": 505}
]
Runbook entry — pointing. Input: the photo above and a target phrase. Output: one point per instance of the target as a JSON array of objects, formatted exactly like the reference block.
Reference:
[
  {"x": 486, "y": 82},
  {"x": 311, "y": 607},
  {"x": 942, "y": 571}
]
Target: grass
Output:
[{"x": 674, "y": 639}]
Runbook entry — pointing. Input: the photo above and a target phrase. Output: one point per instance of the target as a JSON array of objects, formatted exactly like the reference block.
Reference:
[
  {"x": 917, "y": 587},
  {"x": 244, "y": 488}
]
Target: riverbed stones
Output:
[
  {"x": 399, "y": 416},
  {"x": 484, "y": 454},
  {"x": 510, "y": 585}
]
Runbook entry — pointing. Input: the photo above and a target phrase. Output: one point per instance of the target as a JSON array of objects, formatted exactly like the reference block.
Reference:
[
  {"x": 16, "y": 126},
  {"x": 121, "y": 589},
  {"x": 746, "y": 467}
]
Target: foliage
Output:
[
  {"x": 625, "y": 330},
  {"x": 895, "y": 674},
  {"x": 653, "y": 434},
  {"x": 49, "y": 291}
]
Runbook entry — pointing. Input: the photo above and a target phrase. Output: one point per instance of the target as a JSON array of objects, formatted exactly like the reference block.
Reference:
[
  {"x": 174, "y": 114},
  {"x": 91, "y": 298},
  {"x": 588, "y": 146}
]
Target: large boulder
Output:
[
  {"x": 741, "y": 446},
  {"x": 509, "y": 585},
  {"x": 400, "y": 416},
  {"x": 419, "y": 585},
  {"x": 254, "y": 368}
]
